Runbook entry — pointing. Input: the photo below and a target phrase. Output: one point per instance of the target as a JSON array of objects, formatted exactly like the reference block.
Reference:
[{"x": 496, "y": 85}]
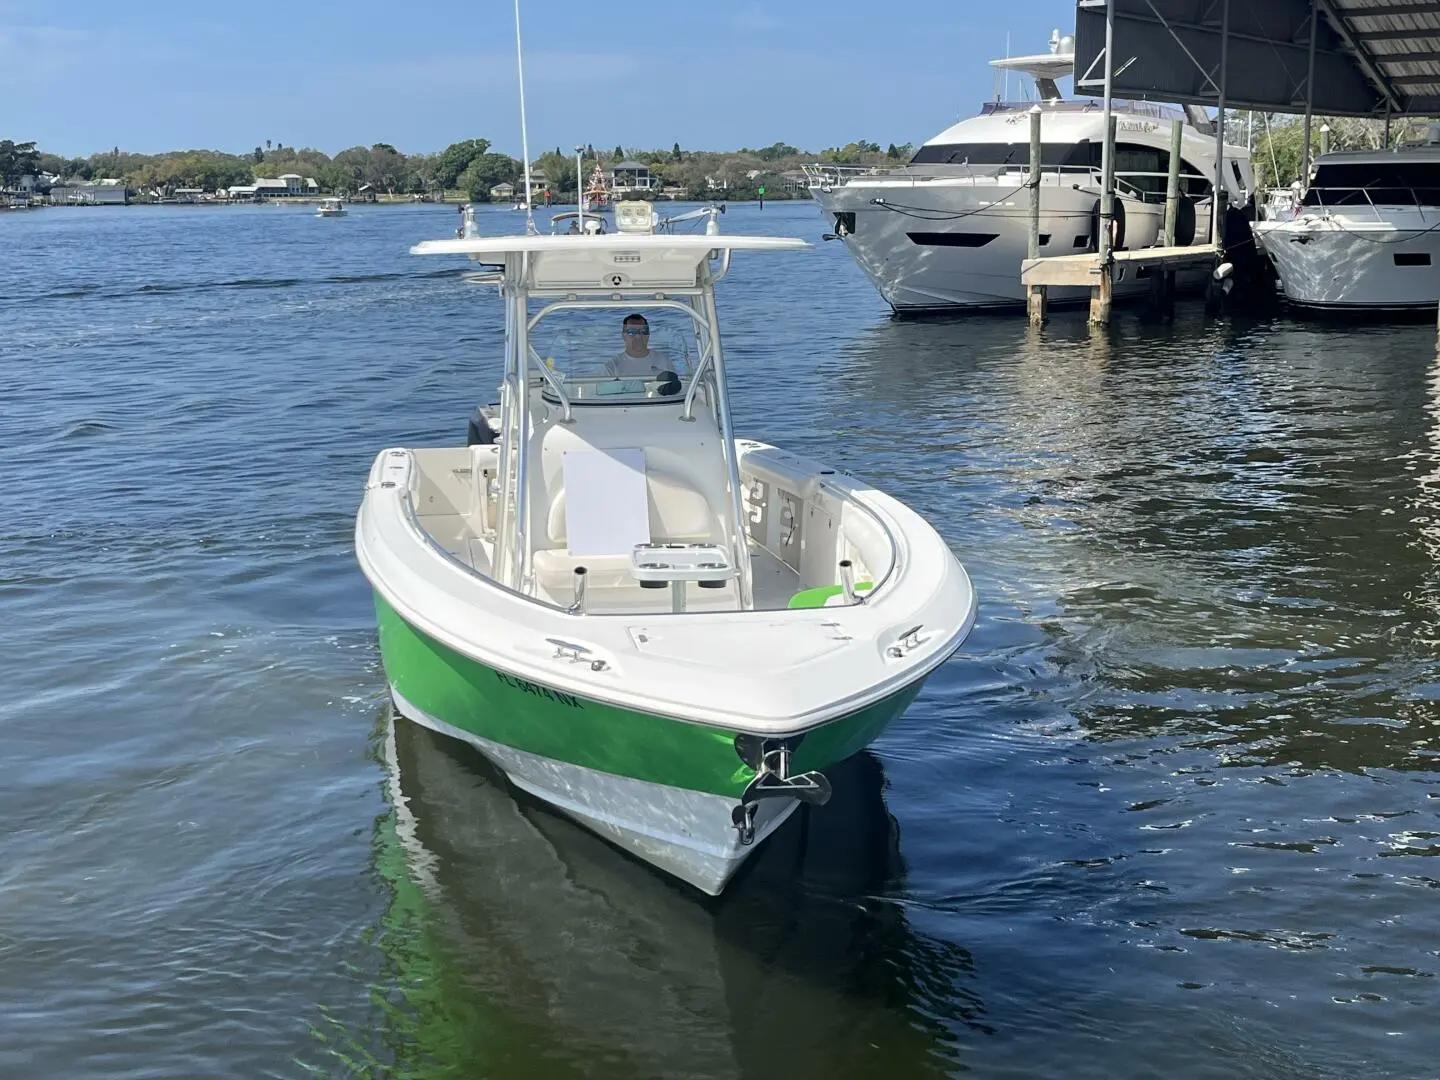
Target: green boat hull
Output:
[{"x": 499, "y": 708}]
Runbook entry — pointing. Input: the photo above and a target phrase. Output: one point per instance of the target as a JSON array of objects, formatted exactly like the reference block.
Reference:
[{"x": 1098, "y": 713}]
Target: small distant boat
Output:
[
  {"x": 597, "y": 194},
  {"x": 330, "y": 208},
  {"x": 1277, "y": 203}
]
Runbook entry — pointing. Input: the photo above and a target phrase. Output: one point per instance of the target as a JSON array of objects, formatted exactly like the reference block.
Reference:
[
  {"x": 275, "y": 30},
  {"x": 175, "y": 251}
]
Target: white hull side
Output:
[
  {"x": 1348, "y": 264},
  {"x": 771, "y": 672},
  {"x": 686, "y": 833},
  {"x": 915, "y": 276}
]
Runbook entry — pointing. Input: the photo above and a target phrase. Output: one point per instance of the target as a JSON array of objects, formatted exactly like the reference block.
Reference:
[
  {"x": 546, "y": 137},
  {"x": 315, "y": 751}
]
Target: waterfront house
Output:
[
  {"x": 295, "y": 184},
  {"x": 794, "y": 180},
  {"x": 290, "y": 185},
  {"x": 505, "y": 192},
  {"x": 626, "y": 176}
]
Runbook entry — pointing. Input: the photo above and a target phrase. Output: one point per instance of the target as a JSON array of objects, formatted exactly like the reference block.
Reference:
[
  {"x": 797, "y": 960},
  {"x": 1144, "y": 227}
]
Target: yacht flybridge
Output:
[
  {"x": 1364, "y": 236},
  {"x": 949, "y": 229},
  {"x": 661, "y": 629}
]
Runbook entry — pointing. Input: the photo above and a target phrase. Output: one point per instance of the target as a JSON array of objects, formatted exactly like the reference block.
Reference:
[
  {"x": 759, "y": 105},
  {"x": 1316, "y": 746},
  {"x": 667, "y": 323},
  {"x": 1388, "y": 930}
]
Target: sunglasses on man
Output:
[{"x": 637, "y": 331}]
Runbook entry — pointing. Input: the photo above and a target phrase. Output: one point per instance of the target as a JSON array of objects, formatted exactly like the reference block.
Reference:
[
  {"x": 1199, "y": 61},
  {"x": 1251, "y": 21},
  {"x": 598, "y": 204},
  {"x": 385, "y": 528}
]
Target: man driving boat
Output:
[{"x": 638, "y": 360}]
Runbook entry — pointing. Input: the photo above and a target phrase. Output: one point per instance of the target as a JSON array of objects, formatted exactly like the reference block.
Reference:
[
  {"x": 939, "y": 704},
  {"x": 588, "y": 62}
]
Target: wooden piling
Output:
[
  {"x": 1172, "y": 185},
  {"x": 1100, "y": 294},
  {"x": 1035, "y": 294},
  {"x": 1100, "y": 297}
]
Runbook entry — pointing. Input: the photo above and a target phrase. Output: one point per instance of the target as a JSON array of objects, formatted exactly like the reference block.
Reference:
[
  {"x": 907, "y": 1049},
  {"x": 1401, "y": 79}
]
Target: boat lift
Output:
[{"x": 1367, "y": 58}]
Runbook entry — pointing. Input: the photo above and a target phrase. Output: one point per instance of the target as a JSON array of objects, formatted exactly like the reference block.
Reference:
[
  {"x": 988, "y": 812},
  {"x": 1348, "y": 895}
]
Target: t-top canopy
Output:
[{"x": 624, "y": 261}]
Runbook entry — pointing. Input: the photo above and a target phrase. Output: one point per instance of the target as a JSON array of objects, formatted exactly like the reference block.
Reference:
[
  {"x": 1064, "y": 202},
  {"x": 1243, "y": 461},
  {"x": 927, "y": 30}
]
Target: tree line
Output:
[
  {"x": 471, "y": 167},
  {"x": 1279, "y": 140}
]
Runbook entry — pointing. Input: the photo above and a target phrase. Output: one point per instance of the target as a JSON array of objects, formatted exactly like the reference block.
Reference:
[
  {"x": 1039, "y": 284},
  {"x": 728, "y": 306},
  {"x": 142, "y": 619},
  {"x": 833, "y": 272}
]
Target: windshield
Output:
[
  {"x": 1389, "y": 182},
  {"x": 618, "y": 356}
]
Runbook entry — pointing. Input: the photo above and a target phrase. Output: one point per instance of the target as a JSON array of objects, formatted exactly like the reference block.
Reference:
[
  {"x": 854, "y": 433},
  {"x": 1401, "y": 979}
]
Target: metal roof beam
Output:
[
  {"x": 1210, "y": 28},
  {"x": 1407, "y": 58},
  {"x": 1347, "y": 35},
  {"x": 1416, "y": 80},
  {"x": 1394, "y": 35},
  {"x": 1429, "y": 7}
]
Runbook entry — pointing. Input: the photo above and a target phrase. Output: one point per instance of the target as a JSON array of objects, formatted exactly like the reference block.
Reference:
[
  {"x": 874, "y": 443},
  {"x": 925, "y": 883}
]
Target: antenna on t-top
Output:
[{"x": 524, "y": 134}]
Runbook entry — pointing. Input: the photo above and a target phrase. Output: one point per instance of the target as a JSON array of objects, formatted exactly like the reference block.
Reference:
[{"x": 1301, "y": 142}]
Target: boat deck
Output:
[{"x": 774, "y": 585}]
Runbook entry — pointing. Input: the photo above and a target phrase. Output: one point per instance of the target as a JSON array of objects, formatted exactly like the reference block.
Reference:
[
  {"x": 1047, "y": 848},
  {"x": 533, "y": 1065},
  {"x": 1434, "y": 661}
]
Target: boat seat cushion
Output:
[
  {"x": 555, "y": 570},
  {"x": 678, "y": 513},
  {"x": 607, "y": 501}
]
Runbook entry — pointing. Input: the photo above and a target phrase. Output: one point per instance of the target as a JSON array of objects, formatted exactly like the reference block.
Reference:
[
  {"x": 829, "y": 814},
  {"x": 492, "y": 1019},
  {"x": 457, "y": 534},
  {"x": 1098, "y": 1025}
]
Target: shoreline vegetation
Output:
[
  {"x": 473, "y": 171},
  {"x": 466, "y": 171}
]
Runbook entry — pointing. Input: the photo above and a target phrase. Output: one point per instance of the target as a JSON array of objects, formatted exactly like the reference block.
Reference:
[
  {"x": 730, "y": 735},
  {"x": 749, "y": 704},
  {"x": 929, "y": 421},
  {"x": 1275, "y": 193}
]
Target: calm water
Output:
[{"x": 1169, "y": 811}]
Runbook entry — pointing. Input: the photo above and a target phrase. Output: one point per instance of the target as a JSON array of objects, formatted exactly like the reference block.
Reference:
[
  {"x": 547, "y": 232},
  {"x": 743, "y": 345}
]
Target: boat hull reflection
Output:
[{"x": 600, "y": 965}]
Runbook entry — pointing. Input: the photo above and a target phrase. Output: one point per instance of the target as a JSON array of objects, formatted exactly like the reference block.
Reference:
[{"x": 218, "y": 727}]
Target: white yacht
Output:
[
  {"x": 1365, "y": 235},
  {"x": 948, "y": 229}
]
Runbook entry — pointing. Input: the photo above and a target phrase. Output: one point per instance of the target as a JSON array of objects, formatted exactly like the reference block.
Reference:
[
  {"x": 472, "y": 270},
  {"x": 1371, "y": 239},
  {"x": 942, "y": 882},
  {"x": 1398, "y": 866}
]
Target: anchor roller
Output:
[{"x": 773, "y": 780}]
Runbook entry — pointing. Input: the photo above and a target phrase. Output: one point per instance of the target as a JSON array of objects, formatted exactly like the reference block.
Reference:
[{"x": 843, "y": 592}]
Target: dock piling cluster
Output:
[{"x": 1097, "y": 269}]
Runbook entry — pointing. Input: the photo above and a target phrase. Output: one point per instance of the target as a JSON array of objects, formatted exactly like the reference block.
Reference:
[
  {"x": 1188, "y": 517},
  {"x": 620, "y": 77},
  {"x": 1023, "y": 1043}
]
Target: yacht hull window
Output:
[
  {"x": 991, "y": 154},
  {"x": 1143, "y": 169},
  {"x": 943, "y": 239}
]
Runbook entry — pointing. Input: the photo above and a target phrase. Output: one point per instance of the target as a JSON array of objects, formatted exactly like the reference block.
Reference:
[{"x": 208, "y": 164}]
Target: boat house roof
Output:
[{"x": 1371, "y": 57}]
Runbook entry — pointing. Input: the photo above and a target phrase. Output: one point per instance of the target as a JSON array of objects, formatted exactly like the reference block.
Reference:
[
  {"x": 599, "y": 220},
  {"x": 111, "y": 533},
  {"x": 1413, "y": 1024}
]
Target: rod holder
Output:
[
  {"x": 577, "y": 607},
  {"x": 847, "y": 581}
]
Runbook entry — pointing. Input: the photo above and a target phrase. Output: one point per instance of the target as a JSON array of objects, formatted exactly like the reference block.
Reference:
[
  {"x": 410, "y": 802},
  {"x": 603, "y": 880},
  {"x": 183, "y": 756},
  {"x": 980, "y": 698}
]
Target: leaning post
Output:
[
  {"x": 1100, "y": 294},
  {"x": 1034, "y": 294}
]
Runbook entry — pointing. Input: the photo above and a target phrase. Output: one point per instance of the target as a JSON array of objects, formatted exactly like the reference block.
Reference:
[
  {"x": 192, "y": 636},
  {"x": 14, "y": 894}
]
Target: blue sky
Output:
[{"x": 87, "y": 75}]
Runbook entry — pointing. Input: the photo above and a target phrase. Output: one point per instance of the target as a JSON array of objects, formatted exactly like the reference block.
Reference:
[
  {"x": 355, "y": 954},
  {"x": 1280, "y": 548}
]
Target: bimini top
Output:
[{"x": 612, "y": 261}]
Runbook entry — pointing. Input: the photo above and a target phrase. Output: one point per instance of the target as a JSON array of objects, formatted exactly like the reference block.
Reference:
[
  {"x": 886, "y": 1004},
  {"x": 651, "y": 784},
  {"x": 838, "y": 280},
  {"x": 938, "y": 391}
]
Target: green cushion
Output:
[{"x": 817, "y": 596}]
